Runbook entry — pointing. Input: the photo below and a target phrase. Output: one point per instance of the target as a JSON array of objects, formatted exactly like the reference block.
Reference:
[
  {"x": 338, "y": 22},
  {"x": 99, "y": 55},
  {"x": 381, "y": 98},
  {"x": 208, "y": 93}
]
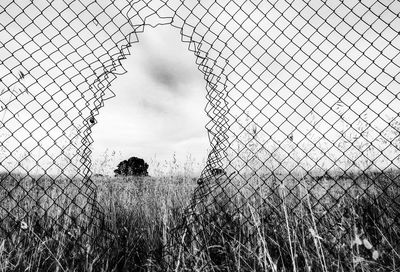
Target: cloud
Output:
[
  {"x": 173, "y": 68},
  {"x": 165, "y": 73},
  {"x": 159, "y": 103},
  {"x": 154, "y": 106}
]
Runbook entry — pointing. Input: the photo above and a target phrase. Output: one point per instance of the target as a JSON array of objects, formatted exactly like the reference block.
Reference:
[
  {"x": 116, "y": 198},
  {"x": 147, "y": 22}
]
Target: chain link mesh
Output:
[{"x": 303, "y": 99}]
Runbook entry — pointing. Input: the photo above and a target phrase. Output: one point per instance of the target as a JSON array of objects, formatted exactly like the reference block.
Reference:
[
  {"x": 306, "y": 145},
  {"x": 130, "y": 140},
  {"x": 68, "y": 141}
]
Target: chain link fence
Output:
[{"x": 303, "y": 99}]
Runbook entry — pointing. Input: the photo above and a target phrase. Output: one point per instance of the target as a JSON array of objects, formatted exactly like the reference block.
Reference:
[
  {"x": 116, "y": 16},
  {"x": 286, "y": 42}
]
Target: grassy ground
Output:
[{"x": 290, "y": 223}]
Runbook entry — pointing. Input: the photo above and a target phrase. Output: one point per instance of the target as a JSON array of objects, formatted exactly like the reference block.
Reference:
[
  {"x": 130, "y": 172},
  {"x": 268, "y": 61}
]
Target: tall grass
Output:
[
  {"x": 286, "y": 228},
  {"x": 333, "y": 223}
]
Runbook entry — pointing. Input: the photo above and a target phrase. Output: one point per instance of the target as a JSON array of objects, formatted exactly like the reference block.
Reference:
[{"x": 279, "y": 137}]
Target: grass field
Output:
[{"x": 292, "y": 223}]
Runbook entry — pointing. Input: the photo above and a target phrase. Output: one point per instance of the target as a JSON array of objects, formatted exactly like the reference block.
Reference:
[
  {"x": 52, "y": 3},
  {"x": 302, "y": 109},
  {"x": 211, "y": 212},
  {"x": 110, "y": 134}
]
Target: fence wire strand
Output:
[{"x": 303, "y": 100}]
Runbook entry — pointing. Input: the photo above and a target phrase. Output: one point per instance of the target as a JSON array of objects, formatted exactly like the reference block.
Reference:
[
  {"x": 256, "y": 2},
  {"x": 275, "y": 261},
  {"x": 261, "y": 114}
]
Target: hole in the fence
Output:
[{"x": 158, "y": 112}]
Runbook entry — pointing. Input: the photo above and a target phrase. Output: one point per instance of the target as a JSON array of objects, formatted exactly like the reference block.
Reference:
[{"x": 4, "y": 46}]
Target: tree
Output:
[{"x": 132, "y": 167}]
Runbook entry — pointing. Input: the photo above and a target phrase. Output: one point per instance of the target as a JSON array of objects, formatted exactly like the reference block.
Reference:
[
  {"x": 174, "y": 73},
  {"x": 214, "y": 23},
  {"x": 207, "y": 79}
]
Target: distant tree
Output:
[{"x": 132, "y": 167}]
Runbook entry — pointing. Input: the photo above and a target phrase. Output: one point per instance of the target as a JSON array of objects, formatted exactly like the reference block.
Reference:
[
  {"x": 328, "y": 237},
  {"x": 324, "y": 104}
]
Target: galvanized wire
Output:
[{"x": 303, "y": 100}]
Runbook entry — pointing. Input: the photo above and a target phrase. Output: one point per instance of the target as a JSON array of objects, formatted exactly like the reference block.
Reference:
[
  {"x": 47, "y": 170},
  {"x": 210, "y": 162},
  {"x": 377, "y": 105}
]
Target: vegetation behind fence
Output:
[{"x": 303, "y": 103}]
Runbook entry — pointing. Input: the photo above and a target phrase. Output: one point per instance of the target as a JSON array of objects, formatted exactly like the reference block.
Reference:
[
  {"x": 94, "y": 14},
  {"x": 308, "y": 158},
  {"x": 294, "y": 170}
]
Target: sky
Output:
[
  {"x": 289, "y": 66},
  {"x": 159, "y": 105},
  {"x": 157, "y": 113}
]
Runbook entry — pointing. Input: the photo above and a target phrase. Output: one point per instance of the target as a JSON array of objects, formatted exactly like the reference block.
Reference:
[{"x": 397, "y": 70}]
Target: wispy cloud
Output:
[{"x": 154, "y": 106}]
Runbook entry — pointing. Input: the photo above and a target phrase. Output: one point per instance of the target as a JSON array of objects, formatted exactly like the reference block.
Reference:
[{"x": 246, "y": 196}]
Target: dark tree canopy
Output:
[{"x": 132, "y": 167}]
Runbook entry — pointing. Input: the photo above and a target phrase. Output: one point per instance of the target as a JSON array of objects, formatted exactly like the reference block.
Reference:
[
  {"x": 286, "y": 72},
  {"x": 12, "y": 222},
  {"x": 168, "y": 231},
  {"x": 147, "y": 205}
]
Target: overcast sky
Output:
[
  {"x": 159, "y": 104},
  {"x": 291, "y": 62}
]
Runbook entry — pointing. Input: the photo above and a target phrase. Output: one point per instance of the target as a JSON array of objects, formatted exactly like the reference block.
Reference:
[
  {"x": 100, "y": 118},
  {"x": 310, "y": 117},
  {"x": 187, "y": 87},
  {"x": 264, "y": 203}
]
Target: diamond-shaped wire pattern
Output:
[{"x": 303, "y": 99}]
